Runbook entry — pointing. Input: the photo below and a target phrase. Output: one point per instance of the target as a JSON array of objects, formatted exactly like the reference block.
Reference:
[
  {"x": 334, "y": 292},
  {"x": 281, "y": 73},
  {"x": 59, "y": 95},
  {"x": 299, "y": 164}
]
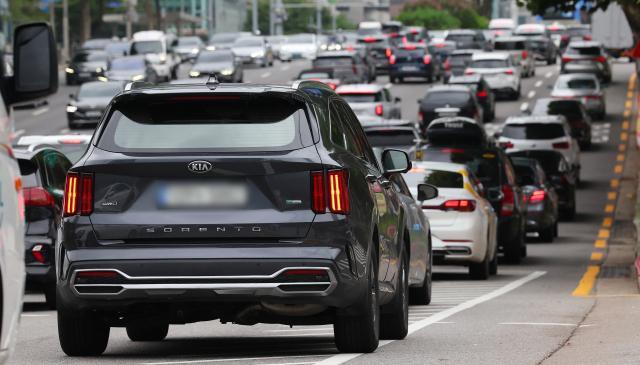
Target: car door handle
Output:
[{"x": 371, "y": 178}]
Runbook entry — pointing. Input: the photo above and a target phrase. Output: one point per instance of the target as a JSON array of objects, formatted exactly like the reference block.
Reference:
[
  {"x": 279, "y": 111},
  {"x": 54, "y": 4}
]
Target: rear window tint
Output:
[
  {"x": 584, "y": 51},
  {"x": 568, "y": 108},
  {"x": 441, "y": 98},
  {"x": 550, "y": 162},
  {"x": 533, "y": 131},
  {"x": 484, "y": 164},
  {"x": 526, "y": 175},
  {"x": 490, "y": 64},
  {"x": 580, "y": 84},
  {"x": 196, "y": 123},
  {"x": 437, "y": 178},
  {"x": 509, "y": 46},
  {"x": 391, "y": 137},
  {"x": 403, "y": 54},
  {"x": 361, "y": 97},
  {"x": 459, "y": 59}
]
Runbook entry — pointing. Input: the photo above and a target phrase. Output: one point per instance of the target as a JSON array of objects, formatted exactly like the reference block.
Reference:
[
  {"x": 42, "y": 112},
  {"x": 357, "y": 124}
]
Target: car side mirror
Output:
[
  {"x": 397, "y": 99},
  {"x": 427, "y": 192},
  {"x": 35, "y": 62},
  {"x": 395, "y": 161},
  {"x": 495, "y": 195}
]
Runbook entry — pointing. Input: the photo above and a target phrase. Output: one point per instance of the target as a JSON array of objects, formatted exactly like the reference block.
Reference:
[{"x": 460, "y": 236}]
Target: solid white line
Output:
[
  {"x": 538, "y": 83},
  {"x": 40, "y": 111},
  {"x": 342, "y": 358},
  {"x": 227, "y": 359},
  {"x": 548, "y": 74},
  {"x": 265, "y": 75},
  {"x": 539, "y": 324},
  {"x": 531, "y": 94}
]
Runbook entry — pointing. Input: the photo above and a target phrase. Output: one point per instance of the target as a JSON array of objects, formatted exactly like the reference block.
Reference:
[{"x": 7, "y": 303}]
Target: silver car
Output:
[
  {"x": 518, "y": 47},
  {"x": 584, "y": 87},
  {"x": 589, "y": 57},
  {"x": 253, "y": 50},
  {"x": 370, "y": 100},
  {"x": 500, "y": 70}
]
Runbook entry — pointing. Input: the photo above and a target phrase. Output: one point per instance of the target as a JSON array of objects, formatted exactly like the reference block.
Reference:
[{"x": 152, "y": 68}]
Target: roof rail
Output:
[{"x": 302, "y": 84}]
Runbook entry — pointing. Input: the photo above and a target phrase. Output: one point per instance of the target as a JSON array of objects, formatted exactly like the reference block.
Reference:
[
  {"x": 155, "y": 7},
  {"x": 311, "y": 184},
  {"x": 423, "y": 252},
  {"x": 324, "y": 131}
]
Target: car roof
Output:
[
  {"x": 453, "y": 119},
  {"x": 329, "y": 54},
  {"x": 581, "y": 44},
  {"x": 465, "y": 79},
  {"x": 359, "y": 88},
  {"x": 438, "y": 88},
  {"x": 549, "y": 100},
  {"x": 438, "y": 165},
  {"x": 490, "y": 56},
  {"x": 577, "y": 76},
  {"x": 511, "y": 38},
  {"x": 545, "y": 119},
  {"x": 465, "y": 51}
]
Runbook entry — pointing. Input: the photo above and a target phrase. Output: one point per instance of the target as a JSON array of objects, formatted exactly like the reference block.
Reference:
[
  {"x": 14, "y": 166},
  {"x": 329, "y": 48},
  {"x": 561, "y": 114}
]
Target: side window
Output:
[
  {"x": 56, "y": 168},
  {"x": 387, "y": 94},
  {"x": 336, "y": 131},
  {"x": 359, "y": 136},
  {"x": 399, "y": 184},
  {"x": 508, "y": 169}
]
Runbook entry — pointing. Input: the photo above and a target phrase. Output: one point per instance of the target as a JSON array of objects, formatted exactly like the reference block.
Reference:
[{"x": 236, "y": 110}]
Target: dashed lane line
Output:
[
  {"x": 548, "y": 74},
  {"x": 40, "y": 111},
  {"x": 524, "y": 105},
  {"x": 388, "y": 85},
  {"x": 538, "y": 83},
  {"x": 531, "y": 94}
]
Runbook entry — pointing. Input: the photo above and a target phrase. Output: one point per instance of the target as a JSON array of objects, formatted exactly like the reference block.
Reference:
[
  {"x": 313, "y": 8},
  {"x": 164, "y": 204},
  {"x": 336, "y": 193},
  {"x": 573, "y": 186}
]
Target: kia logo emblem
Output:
[{"x": 199, "y": 167}]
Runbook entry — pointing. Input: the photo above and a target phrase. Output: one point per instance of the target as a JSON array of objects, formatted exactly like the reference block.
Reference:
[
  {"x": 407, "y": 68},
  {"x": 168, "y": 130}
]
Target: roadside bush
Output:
[{"x": 429, "y": 18}]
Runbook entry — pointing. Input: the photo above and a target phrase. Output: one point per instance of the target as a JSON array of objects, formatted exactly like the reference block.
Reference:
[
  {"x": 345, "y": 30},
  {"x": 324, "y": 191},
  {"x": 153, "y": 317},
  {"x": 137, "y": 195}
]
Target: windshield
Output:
[
  {"x": 437, "y": 178},
  {"x": 490, "y": 64},
  {"x": 314, "y": 75},
  {"x": 391, "y": 137},
  {"x": 211, "y": 57},
  {"x": 248, "y": 42},
  {"x": 584, "y": 51},
  {"x": 120, "y": 64},
  {"x": 533, "y": 131},
  {"x": 188, "y": 41},
  {"x": 301, "y": 38},
  {"x": 580, "y": 84},
  {"x": 99, "y": 90},
  {"x": 484, "y": 164},
  {"x": 330, "y": 62},
  {"x": 509, "y": 46},
  {"x": 549, "y": 161},
  {"x": 144, "y": 47},
  {"x": 442, "y": 98},
  {"x": 90, "y": 57},
  {"x": 361, "y": 97}
]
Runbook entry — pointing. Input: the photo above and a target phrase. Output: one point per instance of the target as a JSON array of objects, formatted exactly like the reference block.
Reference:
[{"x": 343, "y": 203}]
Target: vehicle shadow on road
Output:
[{"x": 35, "y": 307}]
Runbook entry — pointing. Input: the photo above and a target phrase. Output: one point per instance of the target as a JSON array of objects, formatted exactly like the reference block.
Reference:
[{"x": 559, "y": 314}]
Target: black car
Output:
[
  {"x": 43, "y": 176},
  {"x": 86, "y": 66},
  {"x": 402, "y": 136},
  {"x": 486, "y": 97},
  {"x": 448, "y": 101},
  {"x": 413, "y": 60},
  {"x": 222, "y": 63},
  {"x": 543, "y": 49},
  {"x": 458, "y": 61},
  {"x": 378, "y": 48},
  {"x": 131, "y": 68},
  {"x": 562, "y": 176},
  {"x": 494, "y": 170},
  {"x": 346, "y": 65},
  {"x": 87, "y": 107},
  {"x": 467, "y": 38},
  {"x": 541, "y": 197},
  {"x": 575, "y": 113},
  {"x": 457, "y": 131},
  {"x": 243, "y": 203}
]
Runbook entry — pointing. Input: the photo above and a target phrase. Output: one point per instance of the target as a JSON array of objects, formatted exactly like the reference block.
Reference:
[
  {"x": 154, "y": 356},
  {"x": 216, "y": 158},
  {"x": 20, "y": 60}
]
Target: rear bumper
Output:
[
  {"x": 509, "y": 230},
  {"x": 539, "y": 219},
  {"x": 422, "y": 71}
]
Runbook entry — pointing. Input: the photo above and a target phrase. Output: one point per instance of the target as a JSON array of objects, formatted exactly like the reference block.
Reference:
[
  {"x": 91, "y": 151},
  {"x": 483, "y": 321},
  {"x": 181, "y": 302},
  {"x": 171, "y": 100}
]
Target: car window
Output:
[
  {"x": 534, "y": 131},
  {"x": 459, "y": 59},
  {"x": 526, "y": 175},
  {"x": 437, "y": 178},
  {"x": 387, "y": 94},
  {"x": 484, "y": 164},
  {"x": 360, "y": 138},
  {"x": 441, "y": 98},
  {"x": 490, "y": 63},
  {"x": 509, "y": 46},
  {"x": 56, "y": 167},
  {"x": 390, "y": 137},
  {"x": 584, "y": 51},
  {"x": 360, "y": 97},
  {"x": 579, "y": 84}
]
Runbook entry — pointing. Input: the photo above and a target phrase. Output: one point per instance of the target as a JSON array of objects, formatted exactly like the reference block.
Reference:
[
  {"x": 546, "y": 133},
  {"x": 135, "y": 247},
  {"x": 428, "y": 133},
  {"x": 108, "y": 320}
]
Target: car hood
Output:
[
  {"x": 93, "y": 102},
  {"x": 91, "y": 66}
]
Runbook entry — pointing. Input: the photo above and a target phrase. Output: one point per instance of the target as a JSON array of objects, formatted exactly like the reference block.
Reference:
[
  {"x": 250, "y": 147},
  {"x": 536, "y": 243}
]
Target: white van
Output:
[
  {"x": 369, "y": 28},
  {"x": 158, "y": 49}
]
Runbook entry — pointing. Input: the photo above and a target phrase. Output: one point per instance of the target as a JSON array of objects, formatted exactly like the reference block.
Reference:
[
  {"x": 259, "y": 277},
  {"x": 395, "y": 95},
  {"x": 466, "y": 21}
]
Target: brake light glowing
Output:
[
  {"x": 566, "y": 59},
  {"x": 338, "y": 192},
  {"x": 370, "y": 40},
  {"x": 379, "y": 109},
  {"x": 560, "y": 145},
  {"x": 409, "y": 47},
  {"x": 37, "y": 254},
  {"x": 318, "y": 204},
  {"x": 482, "y": 94},
  {"x": 392, "y": 59},
  {"x": 509, "y": 72},
  {"x": 71, "y": 141},
  {"x": 71, "y": 194},
  {"x": 387, "y": 52},
  {"x": 78, "y": 194},
  {"x": 507, "y": 144},
  {"x": 427, "y": 59},
  {"x": 601, "y": 59},
  {"x": 525, "y": 54},
  {"x": 508, "y": 201},
  {"x": 537, "y": 196},
  {"x": 463, "y": 205}
]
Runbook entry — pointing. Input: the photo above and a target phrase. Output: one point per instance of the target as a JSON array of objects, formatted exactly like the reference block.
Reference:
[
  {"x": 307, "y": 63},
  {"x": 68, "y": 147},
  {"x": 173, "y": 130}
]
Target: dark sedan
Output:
[
  {"x": 467, "y": 38},
  {"x": 486, "y": 97},
  {"x": 403, "y": 136},
  {"x": 413, "y": 60},
  {"x": 222, "y": 63},
  {"x": 131, "y": 68},
  {"x": 575, "y": 113},
  {"x": 86, "y": 66},
  {"x": 448, "y": 101},
  {"x": 541, "y": 197},
  {"x": 379, "y": 49},
  {"x": 43, "y": 176},
  {"x": 543, "y": 49},
  {"x": 346, "y": 65},
  {"x": 87, "y": 107}
]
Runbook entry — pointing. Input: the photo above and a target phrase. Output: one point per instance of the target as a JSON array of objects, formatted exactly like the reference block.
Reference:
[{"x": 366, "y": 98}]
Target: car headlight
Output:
[
  {"x": 211, "y": 48},
  {"x": 71, "y": 108},
  {"x": 137, "y": 78},
  {"x": 69, "y": 70},
  {"x": 163, "y": 59},
  {"x": 103, "y": 79},
  {"x": 194, "y": 51},
  {"x": 99, "y": 69},
  {"x": 194, "y": 73},
  {"x": 257, "y": 54},
  {"x": 226, "y": 72}
]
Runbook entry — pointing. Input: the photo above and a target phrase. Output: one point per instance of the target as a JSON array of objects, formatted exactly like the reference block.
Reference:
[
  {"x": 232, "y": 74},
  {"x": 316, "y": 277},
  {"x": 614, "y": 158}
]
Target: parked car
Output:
[
  {"x": 542, "y": 132},
  {"x": 319, "y": 191},
  {"x": 574, "y": 112},
  {"x": 467, "y": 38},
  {"x": 189, "y": 47},
  {"x": 563, "y": 178},
  {"x": 586, "y": 57},
  {"x": 401, "y": 135},
  {"x": 87, "y": 107},
  {"x": 542, "y": 200},
  {"x": 448, "y": 101},
  {"x": 86, "y": 66},
  {"x": 347, "y": 65},
  {"x": 253, "y": 50},
  {"x": 483, "y": 91},
  {"x": 519, "y": 49},
  {"x": 414, "y": 60},
  {"x": 457, "y": 62},
  {"x": 221, "y": 63},
  {"x": 583, "y": 87},
  {"x": 378, "y": 47},
  {"x": 225, "y": 40},
  {"x": 324, "y": 75},
  {"x": 371, "y": 99},
  {"x": 131, "y": 68},
  {"x": 463, "y": 223},
  {"x": 543, "y": 49},
  {"x": 499, "y": 71},
  {"x": 299, "y": 46},
  {"x": 493, "y": 168},
  {"x": 43, "y": 176},
  {"x": 73, "y": 146}
]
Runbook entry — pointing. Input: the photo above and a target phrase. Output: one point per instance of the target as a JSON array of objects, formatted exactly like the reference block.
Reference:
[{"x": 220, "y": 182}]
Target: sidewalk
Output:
[{"x": 610, "y": 332}]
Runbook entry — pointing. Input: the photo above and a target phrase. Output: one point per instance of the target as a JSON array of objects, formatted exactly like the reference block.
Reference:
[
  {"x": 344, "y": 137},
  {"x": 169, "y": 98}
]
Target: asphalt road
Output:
[{"x": 520, "y": 316}]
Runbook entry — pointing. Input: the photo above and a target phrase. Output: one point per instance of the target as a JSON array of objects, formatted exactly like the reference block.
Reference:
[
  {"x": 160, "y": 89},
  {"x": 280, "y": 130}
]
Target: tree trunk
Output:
[
  {"x": 85, "y": 29},
  {"x": 151, "y": 20}
]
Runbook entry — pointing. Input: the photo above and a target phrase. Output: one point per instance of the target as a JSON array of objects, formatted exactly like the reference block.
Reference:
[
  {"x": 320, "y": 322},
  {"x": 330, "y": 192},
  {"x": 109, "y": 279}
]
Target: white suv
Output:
[{"x": 499, "y": 70}]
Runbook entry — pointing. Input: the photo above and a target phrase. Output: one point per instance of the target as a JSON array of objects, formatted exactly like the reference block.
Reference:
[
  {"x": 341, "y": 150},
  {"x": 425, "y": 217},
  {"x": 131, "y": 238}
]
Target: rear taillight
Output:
[
  {"x": 392, "y": 59},
  {"x": 463, "y": 205},
  {"x": 593, "y": 97},
  {"x": 427, "y": 59},
  {"x": 379, "y": 109},
  {"x": 508, "y": 72},
  {"x": 37, "y": 197},
  {"x": 525, "y": 54},
  {"x": 78, "y": 194},
  {"x": 507, "y": 144},
  {"x": 586, "y": 37},
  {"x": 37, "y": 252},
  {"x": 601, "y": 59},
  {"x": 387, "y": 52},
  {"x": 468, "y": 72},
  {"x": 335, "y": 189},
  {"x": 564, "y": 37},
  {"x": 560, "y": 145},
  {"x": 537, "y": 196},
  {"x": 447, "y": 65},
  {"x": 482, "y": 94},
  {"x": 508, "y": 201},
  {"x": 566, "y": 59}
]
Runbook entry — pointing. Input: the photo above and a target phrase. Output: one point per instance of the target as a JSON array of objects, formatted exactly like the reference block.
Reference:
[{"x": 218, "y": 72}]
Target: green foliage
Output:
[
  {"x": 469, "y": 18},
  {"x": 441, "y": 14},
  {"x": 429, "y": 18}
]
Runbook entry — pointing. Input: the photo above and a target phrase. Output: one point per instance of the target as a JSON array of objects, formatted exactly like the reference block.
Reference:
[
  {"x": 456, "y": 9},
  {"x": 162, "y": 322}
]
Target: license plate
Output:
[
  {"x": 409, "y": 68},
  {"x": 94, "y": 114},
  {"x": 584, "y": 62},
  {"x": 447, "y": 114},
  {"x": 199, "y": 195}
]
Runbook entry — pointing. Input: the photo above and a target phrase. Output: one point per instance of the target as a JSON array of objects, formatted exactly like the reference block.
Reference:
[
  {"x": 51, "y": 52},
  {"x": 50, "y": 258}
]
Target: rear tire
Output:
[
  {"x": 513, "y": 251},
  {"x": 147, "y": 331},
  {"x": 547, "y": 234},
  {"x": 422, "y": 294},
  {"x": 480, "y": 270},
  {"x": 493, "y": 265},
  {"x": 361, "y": 333},
  {"x": 82, "y": 335},
  {"x": 394, "y": 325}
]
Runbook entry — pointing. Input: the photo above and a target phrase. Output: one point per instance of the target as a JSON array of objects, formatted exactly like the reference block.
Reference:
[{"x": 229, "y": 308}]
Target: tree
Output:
[
  {"x": 442, "y": 14},
  {"x": 631, "y": 9}
]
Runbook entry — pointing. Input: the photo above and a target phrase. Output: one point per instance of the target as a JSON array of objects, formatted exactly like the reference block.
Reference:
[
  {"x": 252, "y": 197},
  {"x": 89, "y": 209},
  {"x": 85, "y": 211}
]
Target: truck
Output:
[{"x": 611, "y": 28}]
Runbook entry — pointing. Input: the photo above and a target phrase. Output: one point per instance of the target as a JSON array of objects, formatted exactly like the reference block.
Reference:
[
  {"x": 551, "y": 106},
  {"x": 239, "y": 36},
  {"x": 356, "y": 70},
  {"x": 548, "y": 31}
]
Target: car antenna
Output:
[{"x": 212, "y": 81}]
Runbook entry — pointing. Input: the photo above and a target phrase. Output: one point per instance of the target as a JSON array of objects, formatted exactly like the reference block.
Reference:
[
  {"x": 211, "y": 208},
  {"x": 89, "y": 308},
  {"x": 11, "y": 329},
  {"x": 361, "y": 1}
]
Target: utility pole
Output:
[
  {"x": 254, "y": 16},
  {"x": 318, "y": 17},
  {"x": 52, "y": 16},
  {"x": 65, "y": 30},
  {"x": 271, "y": 20},
  {"x": 128, "y": 22}
]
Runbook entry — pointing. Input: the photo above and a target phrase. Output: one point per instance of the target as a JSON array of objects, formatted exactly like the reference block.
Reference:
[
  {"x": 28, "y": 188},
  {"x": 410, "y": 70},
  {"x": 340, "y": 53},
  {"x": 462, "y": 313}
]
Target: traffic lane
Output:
[{"x": 526, "y": 325}]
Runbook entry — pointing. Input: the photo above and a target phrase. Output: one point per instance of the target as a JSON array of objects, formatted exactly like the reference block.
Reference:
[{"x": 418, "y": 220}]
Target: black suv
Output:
[
  {"x": 448, "y": 101},
  {"x": 243, "y": 203}
]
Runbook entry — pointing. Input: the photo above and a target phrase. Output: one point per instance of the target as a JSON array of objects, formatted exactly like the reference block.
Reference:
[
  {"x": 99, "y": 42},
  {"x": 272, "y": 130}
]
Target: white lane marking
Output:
[
  {"x": 265, "y": 75},
  {"x": 40, "y": 111},
  {"x": 228, "y": 359},
  {"x": 524, "y": 105},
  {"x": 539, "y": 324},
  {"x": 531, "y": 94},
  {"x": 284, "y": 68},
  {"x": 538, "y": 83},
  {"x": 388, "y": 85},
  {"x": 548, "y": 74},
  {"x": 33, "y": 315},
  {"x": 342, "y": 358}
]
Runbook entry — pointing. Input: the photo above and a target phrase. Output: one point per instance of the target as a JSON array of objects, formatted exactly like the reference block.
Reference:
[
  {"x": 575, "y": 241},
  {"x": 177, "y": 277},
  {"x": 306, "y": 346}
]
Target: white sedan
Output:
[{"x": 463, "y": 223}]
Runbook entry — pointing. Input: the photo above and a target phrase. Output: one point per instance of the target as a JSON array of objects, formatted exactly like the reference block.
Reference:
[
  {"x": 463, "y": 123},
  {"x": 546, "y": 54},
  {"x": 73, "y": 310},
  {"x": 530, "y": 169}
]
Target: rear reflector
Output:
[
  {"x": 97, "y": 274},
  {"x": 37, "y": 253},
  {"x": 307, "y": 272},
  {"x": 86, "y": 201},
  {"x": 482, "y": 94},
  {"x": 379, "y": 110},
  {"x": 426, "y": 59},
  {"x": 508, "y": 201},
  {"x": 318, "y": 204},
  {"x": 561, "y": 145},
  {"x": 338, "y": 192},
  {"x": 38, "y": 197}
]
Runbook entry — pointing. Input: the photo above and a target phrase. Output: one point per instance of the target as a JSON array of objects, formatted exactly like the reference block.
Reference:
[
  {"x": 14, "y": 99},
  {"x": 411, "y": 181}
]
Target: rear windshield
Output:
[
  {"x": 447, "y": 97},
  {"x": 580, "y": 84},
  {"x": 484, "y": 164},
  {"x": 333, "y": 62},
  {"x": 188, "y": 123},
  {"x": 314, "y": 75},
  {"x": 533, "y": 131},
  {"x": 248, "y": 42},
  {"x": 568, "y": 108},
  {"x": 215, "y": 57},
  {"x": 391, "y": 137},
  {"x": 460, "y": 37},
  {"x": 550, "y": 162},
  {"x": 405, "y": 54},
  {"x": 459, "y": 59},
  {"x": 584, "y": 51},
  {"x": 144, "y": 47},
  {"x": 509, "y": 46},
  {"x": 490, "y": 64},
  {"x": 526, "y": 174},
  {"x": 223, "y": 38},
  {"x": 437, "y": 178},
  {"x": 361, "y": 97}
]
